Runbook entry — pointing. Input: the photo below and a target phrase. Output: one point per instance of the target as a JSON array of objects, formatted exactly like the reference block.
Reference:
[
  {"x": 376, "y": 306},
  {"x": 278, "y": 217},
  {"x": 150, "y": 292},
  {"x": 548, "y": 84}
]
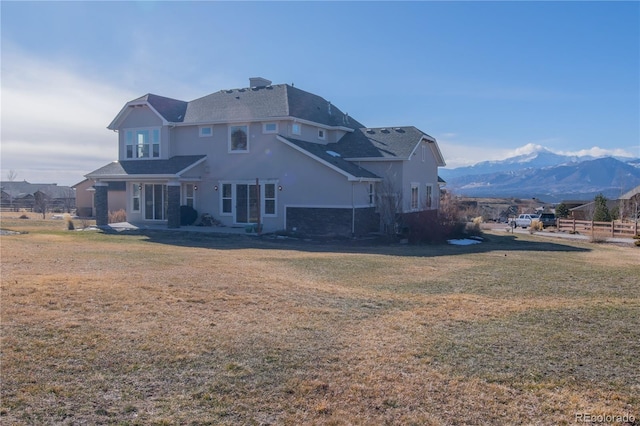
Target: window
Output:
[
  {"x": 189, "y": 195},
  {"x": 135, "y": 197},
  {"x": 239, "y": 139},
  {"x": 142, "y": 143},
  {"x": 269, "y": 198},
  {"x": 372, "y": 194},
  {"x": 414, "y": 196},
  {"x": 296, "y": 129},
  {"x": 424, "y": 153},
  {"x": 226, "y": 198},
  {"x": 321, "y": 134},
  {"x": 428, "y": 196},
  {"x": 270, "y": 128},
  {"x": 206, "y": 131}
]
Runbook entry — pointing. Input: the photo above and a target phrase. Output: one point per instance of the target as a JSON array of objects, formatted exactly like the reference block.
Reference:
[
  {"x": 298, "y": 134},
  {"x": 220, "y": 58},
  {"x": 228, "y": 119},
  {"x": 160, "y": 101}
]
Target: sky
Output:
[{"x": 488, "y": 80}]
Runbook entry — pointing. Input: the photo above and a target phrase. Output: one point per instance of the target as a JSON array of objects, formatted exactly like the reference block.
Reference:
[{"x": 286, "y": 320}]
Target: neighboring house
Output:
[
  {"x": 24, "y": 195},
  {"x": 630, "y": 204},
  {"x": 269, "y": 154},
  {"x": 117, "y": 197}
]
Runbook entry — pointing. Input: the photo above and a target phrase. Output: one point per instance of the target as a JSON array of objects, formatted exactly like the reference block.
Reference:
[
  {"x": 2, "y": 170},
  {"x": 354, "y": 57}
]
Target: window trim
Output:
[
  {"x": 414, "y": 204},
  {"x": 266, "y": 131},
  {"x": 322, "y": 134},
  {"x": 136, "y": 194},
  {"x": 429, "y": 196},
  {"x": 230, "y": 141},
  {"x": 153, "y": 146},
  {"x": 202, "y": 134},
  {"x": 186, "y": 197}
]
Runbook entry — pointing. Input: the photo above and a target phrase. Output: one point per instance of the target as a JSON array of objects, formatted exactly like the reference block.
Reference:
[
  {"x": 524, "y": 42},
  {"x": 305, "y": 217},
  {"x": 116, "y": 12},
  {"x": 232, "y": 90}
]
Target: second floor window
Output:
[
  {"x": 238, "y": 138},
  {"x": 142, "y": 143}
]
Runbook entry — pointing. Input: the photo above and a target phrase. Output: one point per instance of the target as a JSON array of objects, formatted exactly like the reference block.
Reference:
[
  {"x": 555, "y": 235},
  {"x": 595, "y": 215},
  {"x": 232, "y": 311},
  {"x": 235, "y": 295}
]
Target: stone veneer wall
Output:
[{"x": 331, "y": 221}]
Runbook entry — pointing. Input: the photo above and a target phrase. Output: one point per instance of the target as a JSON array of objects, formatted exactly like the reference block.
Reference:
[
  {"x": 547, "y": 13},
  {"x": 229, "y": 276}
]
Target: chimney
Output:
[{"x": 257, "y": 82}]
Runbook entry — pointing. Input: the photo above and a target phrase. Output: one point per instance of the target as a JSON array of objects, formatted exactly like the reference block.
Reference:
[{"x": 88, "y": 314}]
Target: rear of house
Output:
[{"x": 269, "y": 154}]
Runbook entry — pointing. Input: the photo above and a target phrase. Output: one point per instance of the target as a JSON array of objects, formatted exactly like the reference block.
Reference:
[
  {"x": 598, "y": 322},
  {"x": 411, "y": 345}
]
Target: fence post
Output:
[
  {"x": 574, "y": 225},
  {"x": 613, "y": 228}
]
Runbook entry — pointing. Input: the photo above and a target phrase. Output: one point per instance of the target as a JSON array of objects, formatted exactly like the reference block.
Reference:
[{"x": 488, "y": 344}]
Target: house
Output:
[
  {"x": 17, "y": 195},
  {"x": 630, "y": 204},
  {"x": 273, "y": 155}
]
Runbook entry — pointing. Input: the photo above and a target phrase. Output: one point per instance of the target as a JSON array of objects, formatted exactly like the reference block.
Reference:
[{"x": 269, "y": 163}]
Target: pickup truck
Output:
[{"x": 524, "y": 220}]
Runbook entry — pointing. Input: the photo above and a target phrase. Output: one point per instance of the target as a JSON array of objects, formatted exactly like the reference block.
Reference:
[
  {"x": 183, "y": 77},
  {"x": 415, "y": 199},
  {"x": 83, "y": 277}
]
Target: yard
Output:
[{"x": 178, "y": 328}]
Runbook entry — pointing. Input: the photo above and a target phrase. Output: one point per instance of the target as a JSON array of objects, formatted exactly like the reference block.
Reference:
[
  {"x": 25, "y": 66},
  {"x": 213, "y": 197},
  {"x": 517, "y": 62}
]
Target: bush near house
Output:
[
  {"x": 118, "y": 216},
  {"x": 188, "y": 215},
  {"x": 429, "y": 227}
]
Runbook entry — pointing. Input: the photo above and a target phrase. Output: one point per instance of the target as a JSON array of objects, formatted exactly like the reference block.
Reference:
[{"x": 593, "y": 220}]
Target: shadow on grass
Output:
[{"x": 215, "y": 241}]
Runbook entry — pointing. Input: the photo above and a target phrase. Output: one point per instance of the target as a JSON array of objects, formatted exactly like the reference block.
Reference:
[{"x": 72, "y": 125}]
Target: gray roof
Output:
[
  {"x": 280, "y": 100},
  {"x": 324, "y": 152},
  {"x": 383, "y": 142},
  {"x": 22, "y": 188},
  {"x": 172, "y": 166}
]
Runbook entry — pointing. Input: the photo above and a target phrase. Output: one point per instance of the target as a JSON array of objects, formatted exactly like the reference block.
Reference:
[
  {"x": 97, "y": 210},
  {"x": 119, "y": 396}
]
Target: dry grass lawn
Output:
[{"x": 194, "y": 329}]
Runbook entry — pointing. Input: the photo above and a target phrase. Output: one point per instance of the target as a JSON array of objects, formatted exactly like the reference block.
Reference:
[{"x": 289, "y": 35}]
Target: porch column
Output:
[
  {"x": 101, "y": 200},
  {"x": 173, "y": 207}
]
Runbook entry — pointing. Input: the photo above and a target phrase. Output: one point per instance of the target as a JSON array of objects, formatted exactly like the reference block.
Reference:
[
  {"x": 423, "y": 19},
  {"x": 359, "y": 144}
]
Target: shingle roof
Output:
[
  {"x": 21, "y": 188},
  {"x": 280, "y": 100},
  {"x": 172, "y": 166},
  {"x": 172, "y": 110},
  {"x": 390, "y": 142},
  {"x": 324, "y": 153}
]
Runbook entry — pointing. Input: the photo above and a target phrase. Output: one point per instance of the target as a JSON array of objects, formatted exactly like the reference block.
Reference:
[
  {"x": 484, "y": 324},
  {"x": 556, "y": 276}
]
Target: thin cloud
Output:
[{"x": 54, "y": 118}]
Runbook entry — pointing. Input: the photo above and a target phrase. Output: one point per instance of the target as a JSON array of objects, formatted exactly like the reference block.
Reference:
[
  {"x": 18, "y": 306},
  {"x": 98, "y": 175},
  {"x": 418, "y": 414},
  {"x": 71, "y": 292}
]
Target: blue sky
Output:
[{"x": 488, "y": 80}]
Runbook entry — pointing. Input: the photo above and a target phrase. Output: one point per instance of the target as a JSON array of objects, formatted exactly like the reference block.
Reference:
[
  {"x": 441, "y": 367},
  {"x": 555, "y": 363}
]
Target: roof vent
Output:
[{"x": 259, "y": 82}]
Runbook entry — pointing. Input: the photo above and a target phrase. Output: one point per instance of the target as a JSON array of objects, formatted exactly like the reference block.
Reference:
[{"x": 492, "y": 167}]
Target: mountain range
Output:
[{"x": 547, "y": 176}]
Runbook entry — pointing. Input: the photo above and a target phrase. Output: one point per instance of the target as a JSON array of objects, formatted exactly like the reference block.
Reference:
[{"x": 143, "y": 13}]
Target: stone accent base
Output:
[{"x": 332, "y": 221}]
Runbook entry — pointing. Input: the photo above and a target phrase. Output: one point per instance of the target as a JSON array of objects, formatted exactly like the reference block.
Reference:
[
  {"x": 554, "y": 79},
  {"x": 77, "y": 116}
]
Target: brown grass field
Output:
[{"x": 168, "y": 328}]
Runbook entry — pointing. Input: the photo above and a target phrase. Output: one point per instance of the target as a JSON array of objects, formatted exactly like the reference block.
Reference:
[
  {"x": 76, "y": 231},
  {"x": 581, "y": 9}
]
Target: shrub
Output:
[
  {"x": 188, "y": 215},
  {"x": 429, "y": 227},
  {"x": 117, "y": 216},
  {"x": 24, "y": 216},
  {"x": 536, "y": 225},
  {"x": 69, "y": 222}
]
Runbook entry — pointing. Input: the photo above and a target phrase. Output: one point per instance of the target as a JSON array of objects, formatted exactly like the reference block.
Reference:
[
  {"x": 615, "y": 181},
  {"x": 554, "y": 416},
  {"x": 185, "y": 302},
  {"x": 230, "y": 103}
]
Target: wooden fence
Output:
[{"x": 600, "y": 229}]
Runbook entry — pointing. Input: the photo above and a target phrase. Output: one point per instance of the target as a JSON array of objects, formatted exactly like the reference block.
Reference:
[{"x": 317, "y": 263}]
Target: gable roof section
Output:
[
  {"x": 384, "y": 143},
  {"x": 246, "y": 104},
  {"x": 173, "y": 167},
  {"x": 323, "y": 155},
  {"x": 169, "y": 110}
]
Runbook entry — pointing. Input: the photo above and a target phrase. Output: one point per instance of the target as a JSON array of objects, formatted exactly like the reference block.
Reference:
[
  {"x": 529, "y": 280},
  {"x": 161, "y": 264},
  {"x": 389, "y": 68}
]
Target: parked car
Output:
[
  {"x": 547, "y": 219},
  {"x": 524, "y": 220}
]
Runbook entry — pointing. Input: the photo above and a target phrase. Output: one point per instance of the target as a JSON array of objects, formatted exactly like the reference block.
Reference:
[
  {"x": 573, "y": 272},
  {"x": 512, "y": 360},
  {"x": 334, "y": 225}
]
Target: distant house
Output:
[
  {"x": 630, "y": 204},
  {"x": 25, "y": 195},
  {"x": 627, "y": 205},
  {"x": 269, "y": 154}
]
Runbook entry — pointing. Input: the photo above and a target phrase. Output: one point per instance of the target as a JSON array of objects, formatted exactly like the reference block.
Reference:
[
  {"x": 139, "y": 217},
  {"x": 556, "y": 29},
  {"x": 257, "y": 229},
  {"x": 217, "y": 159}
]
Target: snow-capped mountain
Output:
[{"x": 545, "y": 175}]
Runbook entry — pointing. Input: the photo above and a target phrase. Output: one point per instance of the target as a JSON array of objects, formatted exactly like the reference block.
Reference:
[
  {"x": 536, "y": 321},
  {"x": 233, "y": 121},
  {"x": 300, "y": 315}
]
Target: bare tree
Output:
[
  {"x": 11, "y": 176},
  {"x": 389, "y": 203},
  {"x": 41, "y": 202}
]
